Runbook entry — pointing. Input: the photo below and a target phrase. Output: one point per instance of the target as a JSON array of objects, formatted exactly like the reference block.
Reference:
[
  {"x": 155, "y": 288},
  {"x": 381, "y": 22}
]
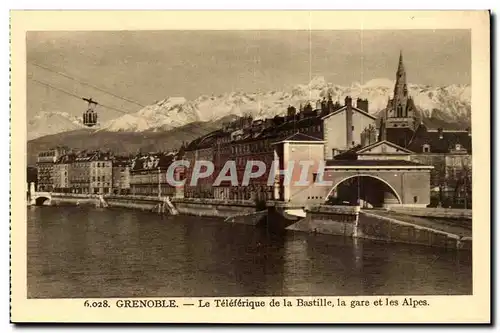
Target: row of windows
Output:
[
  {"x": 99, "y": 178},
  {"x": 103, "y": 164},
  {"x": 260, "y": 146}
]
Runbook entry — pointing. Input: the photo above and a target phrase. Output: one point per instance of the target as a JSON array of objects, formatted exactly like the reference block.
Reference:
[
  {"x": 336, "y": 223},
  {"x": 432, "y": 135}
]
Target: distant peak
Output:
[
  {"x": 317, "y": 81},
  {"x": 380, "y": 82}
]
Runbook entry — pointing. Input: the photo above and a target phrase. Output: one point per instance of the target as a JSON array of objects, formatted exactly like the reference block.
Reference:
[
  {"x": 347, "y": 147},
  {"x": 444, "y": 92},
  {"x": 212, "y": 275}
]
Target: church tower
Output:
[{"x": 401, "y": 111}]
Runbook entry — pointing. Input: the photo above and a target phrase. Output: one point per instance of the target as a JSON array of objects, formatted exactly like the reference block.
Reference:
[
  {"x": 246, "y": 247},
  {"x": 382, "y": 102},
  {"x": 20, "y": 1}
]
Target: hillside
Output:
[{"x": 123, "y": 142}]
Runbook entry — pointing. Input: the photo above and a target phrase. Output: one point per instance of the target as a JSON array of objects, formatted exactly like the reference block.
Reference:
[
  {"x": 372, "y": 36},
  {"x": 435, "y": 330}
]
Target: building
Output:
[
  {"x": 101, "y": 173},
  {"x": 148, "y": 175},
  {"x": 61, "y": 173},
  {"x": 91, "y": 173},
  {"x": 344, "y": 128},
  {"x": 45, "y": 167},
  {"x": 121, "y": 175},
  {"x": 448, "y": 150},
  {"x": 401, "y": 115},
  {"x": 341, "y": 127},
  {"x": 199, "y": 154},
  {"x": 79, "y": 173}
]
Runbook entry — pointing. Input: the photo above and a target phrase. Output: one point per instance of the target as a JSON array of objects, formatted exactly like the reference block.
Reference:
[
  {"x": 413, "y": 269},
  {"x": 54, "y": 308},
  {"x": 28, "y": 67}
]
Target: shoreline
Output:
[{"x": 402, "y": 225}]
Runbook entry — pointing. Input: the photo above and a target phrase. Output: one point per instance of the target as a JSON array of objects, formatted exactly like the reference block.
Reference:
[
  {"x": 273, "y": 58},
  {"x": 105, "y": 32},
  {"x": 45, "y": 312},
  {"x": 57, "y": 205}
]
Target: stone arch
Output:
[
  {"x": 396, "y": 194},
  {"x": 39, "y": 201}
]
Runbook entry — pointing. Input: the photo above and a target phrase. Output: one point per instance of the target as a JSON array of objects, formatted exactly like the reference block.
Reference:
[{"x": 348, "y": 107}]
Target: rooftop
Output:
[{"x": 373, "y": 163}]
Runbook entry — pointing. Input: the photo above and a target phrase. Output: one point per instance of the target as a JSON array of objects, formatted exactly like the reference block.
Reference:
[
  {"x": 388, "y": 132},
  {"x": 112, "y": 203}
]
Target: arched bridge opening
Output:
[
  {"x": 363, "y": 190},
  {"x": 39, "y": 201}
]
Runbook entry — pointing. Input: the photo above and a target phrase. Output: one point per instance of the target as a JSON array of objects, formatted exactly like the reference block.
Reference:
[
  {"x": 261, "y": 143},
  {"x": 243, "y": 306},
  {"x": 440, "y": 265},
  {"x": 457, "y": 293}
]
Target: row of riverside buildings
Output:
[
  {"x": 65, "y": 170},
  {"x": 346, "y": 130}
]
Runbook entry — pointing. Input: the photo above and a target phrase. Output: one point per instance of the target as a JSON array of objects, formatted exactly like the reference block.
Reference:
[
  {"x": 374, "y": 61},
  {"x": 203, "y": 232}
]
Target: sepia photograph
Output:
[{"x": 234, "y": 165}]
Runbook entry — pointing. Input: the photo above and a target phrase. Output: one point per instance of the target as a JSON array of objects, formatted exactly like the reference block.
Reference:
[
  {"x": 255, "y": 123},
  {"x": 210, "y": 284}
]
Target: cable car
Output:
[{"x": 90, "y": 116}]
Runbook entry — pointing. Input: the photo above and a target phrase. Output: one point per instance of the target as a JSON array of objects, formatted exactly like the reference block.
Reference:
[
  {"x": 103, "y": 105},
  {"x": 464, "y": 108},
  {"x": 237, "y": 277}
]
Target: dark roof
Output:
[
  {"x": 93, "y": 156},
  {"x": 440, "y": 141},
  {"x": 313, "y": 119},
  {"x": 121, "y": 161},
  {"x": 301, "y": 137},
  {"x": 205, "y": 141},
  {"x": 400, "y": 136},
  {"x": 66, "y": 159},
  {"x": 152, "y": 162},
  {"x": 381, "y": 163},
  {"x": 351, "y": 154}
]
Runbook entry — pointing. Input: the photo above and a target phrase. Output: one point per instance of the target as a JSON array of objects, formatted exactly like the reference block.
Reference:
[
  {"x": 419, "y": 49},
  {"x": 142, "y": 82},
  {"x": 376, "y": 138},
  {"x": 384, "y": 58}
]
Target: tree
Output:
[{"x": 459, "y": 179}]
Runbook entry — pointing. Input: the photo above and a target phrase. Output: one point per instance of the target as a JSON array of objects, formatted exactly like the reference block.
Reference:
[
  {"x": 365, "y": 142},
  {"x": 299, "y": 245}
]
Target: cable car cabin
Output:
[{"x": 90, "y": 118}]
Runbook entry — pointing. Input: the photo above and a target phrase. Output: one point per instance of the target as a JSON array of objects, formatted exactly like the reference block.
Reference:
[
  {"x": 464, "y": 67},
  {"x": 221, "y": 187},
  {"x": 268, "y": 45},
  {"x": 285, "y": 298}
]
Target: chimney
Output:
[
  {"x": 440, "y": 131},
  {"x": 318, "y": 104},
  {"x": 362, "y": 104},
  {"x": 348, "y": 123}
]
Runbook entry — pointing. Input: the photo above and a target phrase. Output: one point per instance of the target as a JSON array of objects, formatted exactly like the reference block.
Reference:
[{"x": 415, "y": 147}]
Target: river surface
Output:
[{"x": 91, "y": 252}]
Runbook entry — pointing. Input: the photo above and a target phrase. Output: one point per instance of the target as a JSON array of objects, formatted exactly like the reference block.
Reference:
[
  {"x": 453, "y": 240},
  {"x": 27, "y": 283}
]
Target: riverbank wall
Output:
[
  {"x": 241, "y": 210},
  {"x": 214, "y": 207},
  {"x": 441, "y": 213},
  {"x": 355, "y": 223}
]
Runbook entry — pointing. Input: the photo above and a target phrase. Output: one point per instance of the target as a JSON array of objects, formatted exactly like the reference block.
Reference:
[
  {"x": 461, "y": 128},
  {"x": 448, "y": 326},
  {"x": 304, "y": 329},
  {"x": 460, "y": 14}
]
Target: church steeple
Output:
[
  {"x": 400, "y": 90},
  {"x": 400, "y": 111}
]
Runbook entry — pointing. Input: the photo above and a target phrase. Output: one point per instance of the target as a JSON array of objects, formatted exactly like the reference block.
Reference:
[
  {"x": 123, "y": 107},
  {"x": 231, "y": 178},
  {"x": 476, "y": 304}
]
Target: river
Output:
[{"x": 91, "y": 252}]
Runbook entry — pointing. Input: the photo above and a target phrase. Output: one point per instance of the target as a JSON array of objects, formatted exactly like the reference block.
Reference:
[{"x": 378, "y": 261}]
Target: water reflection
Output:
[{"x": 88, "y": 252}]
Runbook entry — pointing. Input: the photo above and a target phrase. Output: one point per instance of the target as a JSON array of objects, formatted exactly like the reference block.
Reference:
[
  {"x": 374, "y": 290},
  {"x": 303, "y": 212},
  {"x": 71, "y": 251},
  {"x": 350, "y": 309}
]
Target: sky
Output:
[{"x": 149, "y": 66}]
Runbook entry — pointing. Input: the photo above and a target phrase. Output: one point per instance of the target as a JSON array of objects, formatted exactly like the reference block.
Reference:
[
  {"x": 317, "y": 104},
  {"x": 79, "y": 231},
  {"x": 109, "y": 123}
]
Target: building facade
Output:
[
  {"x": 148, "y": 175},
  {"x": 121, "y": 175},
  {"x": 46, "y": 161},
  {"x": 61, "y": 173},
  {"x": 341, "y": 127},
  {"x": 101, "y": 173}
]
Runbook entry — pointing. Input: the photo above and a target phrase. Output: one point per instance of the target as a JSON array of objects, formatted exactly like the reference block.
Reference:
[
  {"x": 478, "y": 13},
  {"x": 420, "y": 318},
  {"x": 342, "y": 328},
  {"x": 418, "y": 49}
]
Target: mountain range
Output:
[{"x": 174, "y": 117}]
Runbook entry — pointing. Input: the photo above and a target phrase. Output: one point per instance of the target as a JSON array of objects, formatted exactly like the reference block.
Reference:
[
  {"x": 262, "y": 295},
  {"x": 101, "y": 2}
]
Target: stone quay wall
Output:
[
  {"x": 350, "y": 222},
  {"x": 214, "y": 207},
  {"x": 446, "y": 213}
]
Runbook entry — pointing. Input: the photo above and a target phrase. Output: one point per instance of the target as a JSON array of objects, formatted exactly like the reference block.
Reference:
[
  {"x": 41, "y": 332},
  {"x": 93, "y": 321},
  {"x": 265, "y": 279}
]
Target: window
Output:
[
  {"x": 352, "y": 127},
  {"x": 415, "y": 199}
]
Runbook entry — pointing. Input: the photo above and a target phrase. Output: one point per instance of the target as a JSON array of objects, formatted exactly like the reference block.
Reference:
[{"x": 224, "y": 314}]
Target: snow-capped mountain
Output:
[
  {"x": 449, "y": 103},
  {"x": 52, "y": 122}
]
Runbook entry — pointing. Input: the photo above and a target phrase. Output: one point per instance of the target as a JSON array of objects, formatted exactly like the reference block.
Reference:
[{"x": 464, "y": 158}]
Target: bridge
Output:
[
  {"x": 369, "y": 184},
  {"x": 38, "y": 198}
]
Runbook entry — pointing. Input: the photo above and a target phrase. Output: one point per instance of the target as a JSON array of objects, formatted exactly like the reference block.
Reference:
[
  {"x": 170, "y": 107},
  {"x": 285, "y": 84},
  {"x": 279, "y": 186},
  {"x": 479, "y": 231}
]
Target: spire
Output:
[
  {"x": 400, "y": 90},
  {"x": 401, "y": 69}
]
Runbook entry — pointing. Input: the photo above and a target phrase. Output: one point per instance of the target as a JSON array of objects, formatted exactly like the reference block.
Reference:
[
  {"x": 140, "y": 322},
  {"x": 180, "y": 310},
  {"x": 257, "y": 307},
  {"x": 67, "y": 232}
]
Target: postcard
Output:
[{"x": 250, "y": 167}]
